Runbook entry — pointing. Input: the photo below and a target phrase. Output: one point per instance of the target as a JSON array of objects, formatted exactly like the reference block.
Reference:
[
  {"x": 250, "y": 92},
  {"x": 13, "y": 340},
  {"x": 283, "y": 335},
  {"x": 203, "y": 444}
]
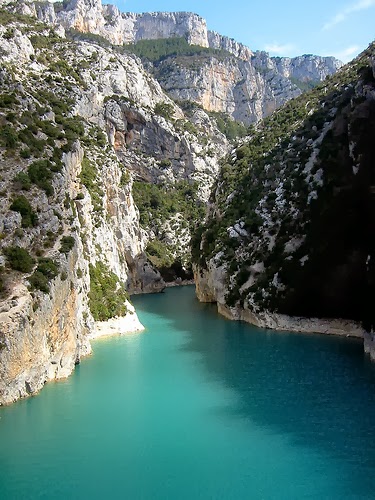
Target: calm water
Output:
[{"x": 198, "y": 407}]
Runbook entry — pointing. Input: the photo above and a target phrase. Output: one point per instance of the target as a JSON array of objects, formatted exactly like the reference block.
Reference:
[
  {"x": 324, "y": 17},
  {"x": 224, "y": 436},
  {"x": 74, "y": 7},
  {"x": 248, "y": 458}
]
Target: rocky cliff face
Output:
[
  {"x": 246, "y": 85},
  {"x": 289, "y": 234},
  {"x": 225, "y": 84},
  {"x": 248, "y": 90},
  {"x": 301, "y": 69},
  {"x": 72, "y": 144},
  {"x": 126, "y": 27}
]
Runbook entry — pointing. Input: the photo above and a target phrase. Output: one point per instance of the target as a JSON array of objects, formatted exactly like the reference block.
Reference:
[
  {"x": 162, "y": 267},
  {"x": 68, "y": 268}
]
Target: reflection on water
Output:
[{"x": 198, "y": 407}]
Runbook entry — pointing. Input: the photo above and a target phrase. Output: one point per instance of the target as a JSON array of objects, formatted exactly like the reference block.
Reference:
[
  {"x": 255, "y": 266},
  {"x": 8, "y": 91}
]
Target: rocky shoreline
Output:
[
  {"x": 117, "y": 326},
  {"x": 282, "y": 322}
]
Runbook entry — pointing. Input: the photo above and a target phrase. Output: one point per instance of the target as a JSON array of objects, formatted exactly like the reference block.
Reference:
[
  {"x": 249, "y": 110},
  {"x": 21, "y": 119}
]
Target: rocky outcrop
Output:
[
  {"x": 287, "y": 244},
  {"x": 227, "y": 85},
  {"x": 247, "y": 90},
  {"x": 42, "y": 338},
  {"x": 126, "y": 27},
  {"x": 210, "y": 287},
  {"x": 306, "y": 68},
  {"x": 217, "y": 41}
]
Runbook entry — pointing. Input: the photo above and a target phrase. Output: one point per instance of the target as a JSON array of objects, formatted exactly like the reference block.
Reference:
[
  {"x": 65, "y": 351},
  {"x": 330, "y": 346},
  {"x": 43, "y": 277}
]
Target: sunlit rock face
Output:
[
  {"x": 245, "y": 84},
  {"x": 83, "y": 138}
]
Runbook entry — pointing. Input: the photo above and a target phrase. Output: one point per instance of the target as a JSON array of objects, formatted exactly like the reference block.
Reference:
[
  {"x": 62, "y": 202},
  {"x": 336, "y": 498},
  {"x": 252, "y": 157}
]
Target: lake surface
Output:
[{"x": 198, "y": 407}]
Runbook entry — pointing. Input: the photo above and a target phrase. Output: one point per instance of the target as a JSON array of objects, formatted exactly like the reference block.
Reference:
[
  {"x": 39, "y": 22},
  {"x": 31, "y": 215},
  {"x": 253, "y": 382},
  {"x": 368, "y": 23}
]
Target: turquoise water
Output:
[{"x": 198, "y": 407}]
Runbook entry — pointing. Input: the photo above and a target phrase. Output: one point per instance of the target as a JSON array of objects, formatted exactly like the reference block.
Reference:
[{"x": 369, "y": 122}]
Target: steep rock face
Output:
[
  {"x": 217, "y": 41},
  {"x": 83, "y": 15},
  {"x": 247, "y": 90},
  {"x": 38, "y": 345},
  {"x": 119, "y": 28},
  {"x": 226, "y": 85},
  {"x": 43, "y": 336},
  {"x": 306, "y": 68},
  {"x": 291, "y": 218},
  {"x": 131, "y": 128},
  {"x": 71, "y": 145},
  {"x": 154, "y": 25}
]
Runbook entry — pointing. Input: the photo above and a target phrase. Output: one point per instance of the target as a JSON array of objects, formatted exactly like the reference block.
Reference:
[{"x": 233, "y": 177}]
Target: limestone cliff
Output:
[
  {"x": 288, "y": 241},
  {"x": 301, "y": 69},
  {"x": 80, "y": 125},
  {"x": 245, "y": 84},
  {"x": 247, "y": 90}
]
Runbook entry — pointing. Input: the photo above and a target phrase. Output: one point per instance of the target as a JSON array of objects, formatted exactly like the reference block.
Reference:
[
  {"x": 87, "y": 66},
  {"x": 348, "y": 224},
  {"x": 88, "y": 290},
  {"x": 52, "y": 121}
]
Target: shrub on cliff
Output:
[
  {"x": 164, "y": 109},
  {"x": 19, "y": 259},
  {"x": 8, "y": 137},
  {"x": 89, "y": 178},
  {"x": 67, "y": 243},
  {"x": 40, "y": 174},
  {"x": 47, "y": 270},
  {"x": 107, "y": 297},
  {"x": 22, "y": 205},
  {"x": 22, "y": 181}
]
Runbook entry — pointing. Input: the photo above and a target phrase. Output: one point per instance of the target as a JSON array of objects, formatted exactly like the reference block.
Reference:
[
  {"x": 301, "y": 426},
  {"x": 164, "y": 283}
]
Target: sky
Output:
[{"x": 340, "y": 28}]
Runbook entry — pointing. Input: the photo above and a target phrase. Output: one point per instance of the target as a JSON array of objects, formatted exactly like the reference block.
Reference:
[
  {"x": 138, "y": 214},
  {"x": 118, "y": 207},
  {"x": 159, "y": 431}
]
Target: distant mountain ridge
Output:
[{"x": 248, "y": 86}]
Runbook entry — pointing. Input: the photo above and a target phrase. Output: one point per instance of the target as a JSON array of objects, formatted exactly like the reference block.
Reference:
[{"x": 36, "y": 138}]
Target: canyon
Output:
[{"x": 108, "y": 161}]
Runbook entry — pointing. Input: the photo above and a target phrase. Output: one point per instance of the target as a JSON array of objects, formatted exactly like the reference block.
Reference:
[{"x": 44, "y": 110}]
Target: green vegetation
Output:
[
  {"x": 8, "y": 137},
  {"x": 107, "y": 297},
  {"x": 125, "y": 178},
  {"x": 40, "y": 173},
  {"x": 230, "y": 128},
  {"x": 46, "y": 270},
  {"x": 158, "y": 207},
  {"x": 159, "y": 253},
  {"x": 73, "y": 34},
  {"x": 67, "y": 243},
  {"x": 186, "y": 126},
  {"x": 304, "y": 86},
  {"x": 45, "y": 42},
  {"x": 157, "y": 50},
  {"x": 160, "y": 202},
  {"x": 22, "y": 205},
  {"x": 8, "y": 100},
  {"x": 19, "y": 259},
  {"x": 89, "y": 178},
  {"x": 164, "y": 109},
  {"x": 7, "y": 18}
]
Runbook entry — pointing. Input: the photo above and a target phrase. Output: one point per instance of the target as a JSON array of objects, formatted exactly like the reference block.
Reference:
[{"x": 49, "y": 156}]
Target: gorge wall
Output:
[
  {"x": 104, "y": 176},
  {"x": 289, "y": 233},
  {"x": 79, "y": 124}
]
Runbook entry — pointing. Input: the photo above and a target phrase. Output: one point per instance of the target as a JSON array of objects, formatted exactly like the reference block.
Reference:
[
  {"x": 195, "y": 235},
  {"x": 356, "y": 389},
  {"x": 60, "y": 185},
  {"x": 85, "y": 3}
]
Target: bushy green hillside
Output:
[
  {"x": 292, "y": 208},
  {"x": 157, "y": 50}
]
